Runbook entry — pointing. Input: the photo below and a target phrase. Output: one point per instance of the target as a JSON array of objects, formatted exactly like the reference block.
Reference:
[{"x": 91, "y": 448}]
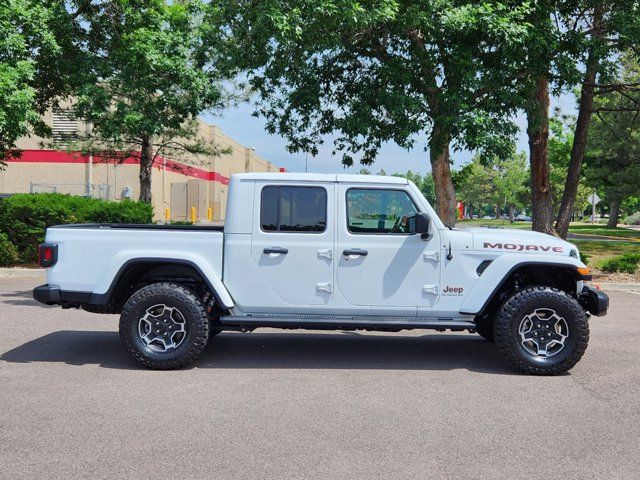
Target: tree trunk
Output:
[
  {"x": 441, "y": 170},
  {"x": 498, "y": 211},
  {"x": 146, "y": 163},
  {"x": 538, "y": 132},
  {"x": 614, "y": 213},
  {"x": 511, "y": 211},
  {"x": 580, "y": 134}
]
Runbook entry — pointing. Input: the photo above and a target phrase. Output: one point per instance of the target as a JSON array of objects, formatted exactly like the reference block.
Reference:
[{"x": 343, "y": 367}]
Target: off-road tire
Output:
[
  {"x": 104, "y": 309},
  {"x": 523, "y": 303},
  {"x": 190, "y": 307}
]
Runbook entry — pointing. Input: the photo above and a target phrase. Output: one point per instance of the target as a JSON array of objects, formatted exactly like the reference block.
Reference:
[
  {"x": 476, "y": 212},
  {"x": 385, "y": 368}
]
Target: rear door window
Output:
[{"x": 293, "y": 209}]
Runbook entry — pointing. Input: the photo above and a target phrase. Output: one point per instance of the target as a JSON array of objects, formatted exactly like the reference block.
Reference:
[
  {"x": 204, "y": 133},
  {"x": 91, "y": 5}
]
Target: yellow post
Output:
[
  {"x": 167, "y": 214},
  {"x": 193, "y": 214},
  {"x": 209, "y": 214}
]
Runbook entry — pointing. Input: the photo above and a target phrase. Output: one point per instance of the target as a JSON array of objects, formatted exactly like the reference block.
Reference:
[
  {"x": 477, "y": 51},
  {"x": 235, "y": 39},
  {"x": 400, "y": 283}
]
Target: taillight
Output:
[{"x": 47, "y": 254}]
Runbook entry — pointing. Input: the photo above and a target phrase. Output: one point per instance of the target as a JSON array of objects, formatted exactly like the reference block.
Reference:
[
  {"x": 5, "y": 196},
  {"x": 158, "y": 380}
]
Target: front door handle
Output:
[
  {"x": 355, "y": 252},
  {"x": 278, "y": 250}
]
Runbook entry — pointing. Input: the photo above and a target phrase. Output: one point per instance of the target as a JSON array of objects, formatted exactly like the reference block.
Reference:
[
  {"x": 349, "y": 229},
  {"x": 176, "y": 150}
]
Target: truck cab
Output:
[{"x": 325, "y": 251}]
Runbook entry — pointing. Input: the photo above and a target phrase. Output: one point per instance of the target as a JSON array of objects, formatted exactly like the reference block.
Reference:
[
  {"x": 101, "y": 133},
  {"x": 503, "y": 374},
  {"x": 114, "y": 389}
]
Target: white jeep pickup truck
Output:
[{"x": 317, "y": 251}]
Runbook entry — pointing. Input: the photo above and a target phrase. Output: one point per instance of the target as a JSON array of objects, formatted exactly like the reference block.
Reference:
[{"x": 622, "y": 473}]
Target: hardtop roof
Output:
[{"x": 321, "y": 177}]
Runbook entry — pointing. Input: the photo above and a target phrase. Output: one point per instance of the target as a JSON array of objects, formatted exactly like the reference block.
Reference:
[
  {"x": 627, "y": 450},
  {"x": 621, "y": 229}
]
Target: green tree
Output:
[
  {"x": 511, "y": 175},
  {"x": 498, "y": 181},
  {"x": 36, "y": 39},
  {"x": 423, "y": 182},
  {"x": 603, "y": 30},
  {"x": 561, "y": 140},
  {"x": 383, "y": 70},
  {"x": 149, "y": 81},
  {"x": 474, "y": 184},
  {"x": 613, "y": 147}
]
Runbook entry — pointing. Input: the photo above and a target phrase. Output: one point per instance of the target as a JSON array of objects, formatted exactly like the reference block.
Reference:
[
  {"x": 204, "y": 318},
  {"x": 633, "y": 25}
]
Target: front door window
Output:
[{"x": 379, "y": 211}]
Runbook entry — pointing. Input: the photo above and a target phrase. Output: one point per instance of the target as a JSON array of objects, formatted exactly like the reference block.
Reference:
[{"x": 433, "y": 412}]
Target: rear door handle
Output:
[
  {"x": 279, "y": 250},
  {"x": 355, "y": 252}
]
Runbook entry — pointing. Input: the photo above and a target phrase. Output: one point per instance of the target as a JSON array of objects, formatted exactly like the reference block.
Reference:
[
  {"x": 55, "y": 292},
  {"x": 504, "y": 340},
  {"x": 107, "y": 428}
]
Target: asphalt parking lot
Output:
[{"x": 294, "y": 405}]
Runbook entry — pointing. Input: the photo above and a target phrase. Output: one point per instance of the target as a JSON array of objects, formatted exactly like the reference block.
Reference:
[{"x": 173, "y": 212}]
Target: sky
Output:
[{"x": 239, "y": 124}]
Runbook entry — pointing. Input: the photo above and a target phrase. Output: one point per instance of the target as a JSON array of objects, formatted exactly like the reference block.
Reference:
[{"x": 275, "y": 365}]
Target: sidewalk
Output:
[{"x": 22, "y": 273}]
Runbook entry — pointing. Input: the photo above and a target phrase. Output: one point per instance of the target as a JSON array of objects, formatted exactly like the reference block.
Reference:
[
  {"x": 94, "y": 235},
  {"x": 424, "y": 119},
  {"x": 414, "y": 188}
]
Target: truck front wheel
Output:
[
  {"x": 164, "y": 326},
  {"x": 541, "y": 330}
]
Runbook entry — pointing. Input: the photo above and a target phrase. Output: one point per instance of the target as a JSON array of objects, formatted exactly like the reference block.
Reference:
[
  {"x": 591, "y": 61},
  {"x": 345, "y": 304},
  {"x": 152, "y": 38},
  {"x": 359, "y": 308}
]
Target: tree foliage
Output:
[
  {"x": 613, "y": 148},
  {"x": 498, "y": 181},
  {"x": 35, "y": 39},
  {"x": 383, "y": 70},
  {"x": 149, "y": 79},
  {"x": 561, "y": 141},
  {"x": 423, "y": 182}
]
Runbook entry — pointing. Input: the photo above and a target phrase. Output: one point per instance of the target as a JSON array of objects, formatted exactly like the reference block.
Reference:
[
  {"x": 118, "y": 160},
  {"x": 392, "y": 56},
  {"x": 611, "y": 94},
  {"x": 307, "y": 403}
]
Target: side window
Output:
[
  {"x": 293, "y": 209},
  {"x": 379, "y": 211}
]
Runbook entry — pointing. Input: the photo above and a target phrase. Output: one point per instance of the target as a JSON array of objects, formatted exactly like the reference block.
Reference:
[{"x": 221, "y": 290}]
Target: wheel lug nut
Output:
[
  {"x": 549, "y": 334},
  {"x": 157, "y": 331},
  {"x": 165, "y": 334}
]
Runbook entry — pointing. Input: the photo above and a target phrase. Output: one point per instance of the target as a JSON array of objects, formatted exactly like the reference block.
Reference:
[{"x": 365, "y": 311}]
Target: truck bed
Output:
[
  {"x": 143, "y": 226},
  {"x": 91, "y": 255}
]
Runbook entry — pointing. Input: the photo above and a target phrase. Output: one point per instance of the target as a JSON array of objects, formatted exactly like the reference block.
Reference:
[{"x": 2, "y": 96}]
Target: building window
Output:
[
  {"x": 65, "y": 124},
  {"x": 379, "y": 211},
  {"x": 293, "y": 209}
]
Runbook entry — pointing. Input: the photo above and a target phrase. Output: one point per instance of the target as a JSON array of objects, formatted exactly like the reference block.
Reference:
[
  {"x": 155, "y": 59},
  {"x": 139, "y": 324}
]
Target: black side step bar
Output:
[{"x": 336, "y": 323}]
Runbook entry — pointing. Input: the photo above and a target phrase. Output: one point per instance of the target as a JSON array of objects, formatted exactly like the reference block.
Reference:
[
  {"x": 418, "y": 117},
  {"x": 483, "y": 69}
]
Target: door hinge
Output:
[
  {"x": 328, "y": 254},
  {"x": 430, "y": 289},
  {"x": 324, "y": 287},
  {"x": 431, "y": 255}
]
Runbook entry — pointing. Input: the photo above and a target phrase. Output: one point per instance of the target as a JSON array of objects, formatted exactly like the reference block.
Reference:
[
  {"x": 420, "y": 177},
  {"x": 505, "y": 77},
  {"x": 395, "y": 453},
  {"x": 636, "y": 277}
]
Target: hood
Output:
[{"x": 519, "y": 241}]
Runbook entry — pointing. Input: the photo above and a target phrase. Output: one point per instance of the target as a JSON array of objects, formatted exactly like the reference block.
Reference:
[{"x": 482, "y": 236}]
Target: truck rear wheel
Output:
[
  {"x": 541, "y": 330},
  {"x": 164, "y": 326}
]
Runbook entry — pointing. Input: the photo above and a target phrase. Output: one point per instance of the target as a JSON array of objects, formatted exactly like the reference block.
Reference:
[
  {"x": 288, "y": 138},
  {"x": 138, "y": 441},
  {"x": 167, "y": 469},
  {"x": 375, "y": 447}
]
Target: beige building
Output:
[{"x": 195, "y": 186}]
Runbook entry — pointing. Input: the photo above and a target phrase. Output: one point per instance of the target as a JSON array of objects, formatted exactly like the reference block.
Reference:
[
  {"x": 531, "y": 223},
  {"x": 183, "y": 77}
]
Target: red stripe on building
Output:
[{"x": 56, "y": 156}]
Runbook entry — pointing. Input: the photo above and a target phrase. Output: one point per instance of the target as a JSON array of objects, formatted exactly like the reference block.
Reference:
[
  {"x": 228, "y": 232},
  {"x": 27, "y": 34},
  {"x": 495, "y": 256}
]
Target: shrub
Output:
[
  {"x": 626, "y": 263},
  {"x": 8, "y": 251},
  {"x": 24, "y": 217},
  {"x": 584, "y": 258},
  {"x": 633, "y": 219}
]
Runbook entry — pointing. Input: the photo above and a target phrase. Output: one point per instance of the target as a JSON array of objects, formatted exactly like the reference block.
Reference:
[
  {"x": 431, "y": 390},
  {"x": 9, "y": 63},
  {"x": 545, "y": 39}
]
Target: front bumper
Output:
[{"x": 594, "y": 301}]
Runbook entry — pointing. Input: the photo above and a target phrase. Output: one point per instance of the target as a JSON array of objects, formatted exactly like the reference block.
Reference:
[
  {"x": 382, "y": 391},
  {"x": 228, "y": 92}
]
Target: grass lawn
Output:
[
  {"x": 492, "y": 223},
  {"x": 602, "y": 250}
]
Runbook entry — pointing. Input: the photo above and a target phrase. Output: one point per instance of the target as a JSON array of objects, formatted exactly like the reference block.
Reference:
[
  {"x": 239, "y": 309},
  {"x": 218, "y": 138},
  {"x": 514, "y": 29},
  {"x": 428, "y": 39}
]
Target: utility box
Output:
[{"x": 179, "y": 201}]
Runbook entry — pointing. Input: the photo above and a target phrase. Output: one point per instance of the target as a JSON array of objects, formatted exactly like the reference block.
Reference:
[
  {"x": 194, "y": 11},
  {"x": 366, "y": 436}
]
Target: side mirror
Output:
[{"x": 420, "y": 224}]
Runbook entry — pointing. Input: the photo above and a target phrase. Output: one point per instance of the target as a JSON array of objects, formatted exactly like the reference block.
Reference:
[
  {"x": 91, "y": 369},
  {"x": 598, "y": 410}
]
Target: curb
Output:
[
  {"x": 619, "y": 287},
  {"x": 22, "y": 273}
]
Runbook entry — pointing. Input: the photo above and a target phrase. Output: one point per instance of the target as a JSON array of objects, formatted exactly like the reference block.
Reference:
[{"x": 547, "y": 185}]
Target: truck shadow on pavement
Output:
[
  {"x": 346, "y": 351},
  {"x": 21, "y": 298}
]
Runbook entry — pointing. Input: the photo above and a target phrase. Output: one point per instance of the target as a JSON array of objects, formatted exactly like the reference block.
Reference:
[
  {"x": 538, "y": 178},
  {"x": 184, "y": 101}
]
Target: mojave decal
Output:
[{"x": 518, "y": 247}]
